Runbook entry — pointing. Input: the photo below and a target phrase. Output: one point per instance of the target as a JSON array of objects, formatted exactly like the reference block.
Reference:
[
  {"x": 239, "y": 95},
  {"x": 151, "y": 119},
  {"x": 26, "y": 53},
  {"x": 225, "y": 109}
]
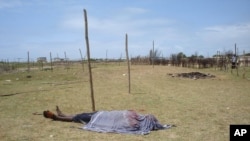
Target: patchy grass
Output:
[{"x": 202, "y": 109}]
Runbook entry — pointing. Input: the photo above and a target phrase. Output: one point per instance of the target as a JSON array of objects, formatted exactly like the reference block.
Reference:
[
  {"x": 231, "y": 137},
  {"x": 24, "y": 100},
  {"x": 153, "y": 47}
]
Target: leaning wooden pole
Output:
[
  {"x": 88, "y": 55},
  {"x": 126, "y": 48}
]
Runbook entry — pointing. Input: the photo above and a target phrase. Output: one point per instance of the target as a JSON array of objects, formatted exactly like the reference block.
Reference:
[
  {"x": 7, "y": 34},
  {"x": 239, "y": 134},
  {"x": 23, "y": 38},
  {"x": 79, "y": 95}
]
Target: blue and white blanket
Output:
[{"x": 126, "y": 121}]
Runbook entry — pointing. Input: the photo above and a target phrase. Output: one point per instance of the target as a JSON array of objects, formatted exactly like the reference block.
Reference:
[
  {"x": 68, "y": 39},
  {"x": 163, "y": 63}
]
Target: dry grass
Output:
[{"x": 202, "y": 109}]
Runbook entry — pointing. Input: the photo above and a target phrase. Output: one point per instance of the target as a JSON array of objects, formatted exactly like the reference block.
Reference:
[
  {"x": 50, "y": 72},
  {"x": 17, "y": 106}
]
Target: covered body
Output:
[{"x": 126, "y": 121}]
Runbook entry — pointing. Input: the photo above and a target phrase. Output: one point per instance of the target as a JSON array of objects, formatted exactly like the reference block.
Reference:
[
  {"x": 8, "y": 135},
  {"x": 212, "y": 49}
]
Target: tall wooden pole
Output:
[
  {"x": 126, "y": 48},
  {"x": 88, "y": 55}
]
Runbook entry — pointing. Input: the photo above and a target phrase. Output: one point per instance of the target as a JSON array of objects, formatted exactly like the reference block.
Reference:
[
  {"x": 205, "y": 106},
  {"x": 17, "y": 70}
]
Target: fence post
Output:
[
  {"x": 28, "y": 61},
  {"x": 237, "y": 61},
  {"x": 66, "y": 61},
  {"x": 153, "y": 61},
  {"x": 126, "y": 48},
  {"x": 51, "y": 64},
  {"x": 81, "y": 59},
  {"x": 244, "y": 65}
]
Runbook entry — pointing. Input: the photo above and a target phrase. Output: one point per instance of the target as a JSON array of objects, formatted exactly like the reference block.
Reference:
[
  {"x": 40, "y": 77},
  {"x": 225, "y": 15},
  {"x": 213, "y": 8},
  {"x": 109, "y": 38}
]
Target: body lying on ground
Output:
[{"x": 123, "y": 121}]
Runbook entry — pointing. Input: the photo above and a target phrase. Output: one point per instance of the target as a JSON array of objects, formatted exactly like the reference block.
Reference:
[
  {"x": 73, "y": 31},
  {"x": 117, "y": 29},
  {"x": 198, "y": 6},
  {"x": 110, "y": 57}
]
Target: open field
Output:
[{"x": 202, "y": 109}]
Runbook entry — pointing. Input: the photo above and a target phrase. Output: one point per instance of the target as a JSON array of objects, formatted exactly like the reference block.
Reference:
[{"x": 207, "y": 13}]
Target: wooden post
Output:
[
  {"x": 244, "y": 65},
  {"x": 217, "y": 60},
  {"x": 120, "y": 59},
  {"x": 42, "y": 65},
  {"x": 232, "y": 64},
  {"x": 88, "y": 55},
  {"x": 81, "y": 60},
  {"x": 51, "y": 65},
  {"x": 153, "y": 61},
  {"x": 236, "y": 62},
  {"x": 235, "y": 56},
  {"x": 220, "y": 63},
  {"x": 126, "y": 48},
  {"x": 106, "y": 56},
  {"x": 66, "y": 61},
  {"x": 18, "y": 64},
  {"x": 28, "y": 61},
  {"x": 8, "y": 65}
]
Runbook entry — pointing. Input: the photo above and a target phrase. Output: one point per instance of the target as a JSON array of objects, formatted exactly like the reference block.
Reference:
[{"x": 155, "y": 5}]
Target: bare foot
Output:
[{"x": 59, "y": 112}]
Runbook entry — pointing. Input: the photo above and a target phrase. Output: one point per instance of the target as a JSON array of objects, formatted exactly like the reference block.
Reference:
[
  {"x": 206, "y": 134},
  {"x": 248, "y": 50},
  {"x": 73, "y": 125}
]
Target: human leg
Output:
[{"x": 83, "y": 117}]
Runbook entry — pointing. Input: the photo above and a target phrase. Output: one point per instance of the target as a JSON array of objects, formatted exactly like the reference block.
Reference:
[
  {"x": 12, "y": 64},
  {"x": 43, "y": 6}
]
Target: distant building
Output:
[
  {"x": 244, "y": 60},
  {"x": 42, "y": 59},
  {"x": 57, "y": 59}
]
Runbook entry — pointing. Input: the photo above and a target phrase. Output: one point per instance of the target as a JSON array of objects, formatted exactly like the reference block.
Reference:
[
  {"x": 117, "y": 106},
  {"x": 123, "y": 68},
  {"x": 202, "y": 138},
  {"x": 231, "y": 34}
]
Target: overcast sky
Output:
[{"x": 57, "y": 26}]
